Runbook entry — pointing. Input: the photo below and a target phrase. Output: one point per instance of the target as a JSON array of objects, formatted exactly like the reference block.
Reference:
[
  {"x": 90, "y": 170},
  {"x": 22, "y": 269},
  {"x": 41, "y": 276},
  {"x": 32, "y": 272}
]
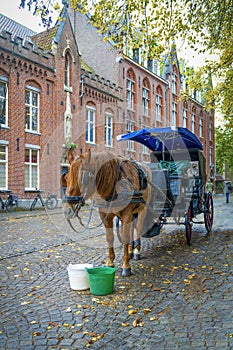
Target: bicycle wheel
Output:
[
  {"x": 11, "y": 204},
  {"x": 33, "y": 204},
  {"x": 51, "y": 202}
]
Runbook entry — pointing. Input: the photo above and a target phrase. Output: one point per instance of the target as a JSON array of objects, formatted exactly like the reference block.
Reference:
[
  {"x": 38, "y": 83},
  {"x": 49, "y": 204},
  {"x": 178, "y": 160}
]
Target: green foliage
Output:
[
  {"x": 70, "y": 146},
  {"x": 154, "y": 25},
  {"x": 224, "y": 149}
]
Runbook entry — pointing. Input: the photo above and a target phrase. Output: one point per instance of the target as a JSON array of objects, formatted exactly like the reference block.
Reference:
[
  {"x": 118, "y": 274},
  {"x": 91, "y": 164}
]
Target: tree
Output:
[
  {"x": 224, "y": 150},
  {"x": 153, "y": 25}
]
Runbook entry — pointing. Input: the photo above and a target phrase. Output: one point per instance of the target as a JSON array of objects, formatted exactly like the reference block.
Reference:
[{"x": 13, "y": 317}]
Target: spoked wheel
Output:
[
  {"x": 51, "y": 203},
  {"x": 188, "y": 226},
  {"x": 10, "y": 205},
  {"x": 208, "y": 211}
]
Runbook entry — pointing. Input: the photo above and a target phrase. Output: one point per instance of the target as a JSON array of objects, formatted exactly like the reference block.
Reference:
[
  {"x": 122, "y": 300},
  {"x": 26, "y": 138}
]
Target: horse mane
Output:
[
  {"x": 73, "y": 177},
  {"x": 107, "y": 168}
]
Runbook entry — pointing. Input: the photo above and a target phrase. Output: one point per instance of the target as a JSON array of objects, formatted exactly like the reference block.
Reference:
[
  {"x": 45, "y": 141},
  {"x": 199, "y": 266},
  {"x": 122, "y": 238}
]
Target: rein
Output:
[{"x": 113, "y": 199}]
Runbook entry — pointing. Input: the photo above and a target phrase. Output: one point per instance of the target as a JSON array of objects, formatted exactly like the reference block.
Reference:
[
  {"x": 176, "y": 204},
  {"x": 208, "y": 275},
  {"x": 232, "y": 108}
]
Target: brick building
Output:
[
  {"x": 66, "y": 85},
  {"x": 151, "y": 92}
]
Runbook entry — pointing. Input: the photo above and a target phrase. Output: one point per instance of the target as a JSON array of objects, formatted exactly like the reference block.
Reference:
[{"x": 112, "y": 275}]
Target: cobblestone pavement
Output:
[{"x": 178, "y": 297}]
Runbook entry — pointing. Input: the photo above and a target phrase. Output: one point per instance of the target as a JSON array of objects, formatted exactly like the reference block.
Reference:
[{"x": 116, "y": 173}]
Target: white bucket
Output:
[{"x": 78, "y": 276}]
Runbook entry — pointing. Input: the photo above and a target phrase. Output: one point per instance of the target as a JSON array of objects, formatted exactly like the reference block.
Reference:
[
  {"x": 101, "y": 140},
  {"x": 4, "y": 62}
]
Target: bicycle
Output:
[
  {"x": 11, "y": 202},
  {"x": 50, "y": 202}
]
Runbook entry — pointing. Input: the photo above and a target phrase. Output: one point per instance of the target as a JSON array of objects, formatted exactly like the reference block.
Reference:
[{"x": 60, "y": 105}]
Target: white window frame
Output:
[
  {"x": 32, "y": 91},
  {"x": 158, "y": 107},
  {"x": 210, "y": 155},
  {"x": 130, "y": 94},
  {"x": 174, "y": 83},
  {"x": 156, "y": 67},
  {"x": 32, "y": 165},
  {"x": 200, "y": 127},
  {"x": 174, "y": 114},
  {"x": 108, "y": 129},
  {"x": 210, "y": 131},
  {"x": 185, "y": 118},
  {"x": 4, "y": 100},
  {"x": 90, "y": 124},
  {"x": 145, "y": 101},
  {"x": 4, "y": 162},
  {"x": 193, "y": 122},
  {"x": 130, "y": 143}
]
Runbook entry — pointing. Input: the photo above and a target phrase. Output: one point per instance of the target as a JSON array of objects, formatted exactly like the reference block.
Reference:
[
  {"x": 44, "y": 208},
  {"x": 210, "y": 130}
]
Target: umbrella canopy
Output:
[{"x": 160, "y": 139}]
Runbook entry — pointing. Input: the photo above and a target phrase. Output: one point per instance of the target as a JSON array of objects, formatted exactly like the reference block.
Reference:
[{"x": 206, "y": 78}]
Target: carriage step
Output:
[{"x": 198, "y": 222}]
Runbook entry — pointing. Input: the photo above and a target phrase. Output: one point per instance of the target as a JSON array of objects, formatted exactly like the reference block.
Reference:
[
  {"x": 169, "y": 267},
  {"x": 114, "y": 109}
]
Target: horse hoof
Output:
[
  {"x": 126, "y": 271},
  {"x": 137, "y": 257}
]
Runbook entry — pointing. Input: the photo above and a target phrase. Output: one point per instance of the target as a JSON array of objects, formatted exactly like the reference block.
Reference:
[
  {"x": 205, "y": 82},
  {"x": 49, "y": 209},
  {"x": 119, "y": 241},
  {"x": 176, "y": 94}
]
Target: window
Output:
[
  {"x": 130, "y": 94},
  {"x": 3, "y": 166},
  {"x": 32, "y": 100},
  {"x": 211, "y": 155},
  {"x": 145, "y": 101},
  {"x": 185, "y": 118},
  {"x": 130, "y": 143},
  {"x": 174, "y": 113},
  {"x": 210, "y": 131},
  {"x": 109, "y": 129},
  {"x": 31, "y": 168},
  {"x": 156, "y": 68},
  {"x": 67, "y": 69},
  {"x": 90, "y": 124},
  {"x": 174, "y": 84},
  {"x": 200, "y": 127},
  {"x": 3, "y": 102},
  {"x": 193, "y": 122},
  {"x": 158, "y": 105}
]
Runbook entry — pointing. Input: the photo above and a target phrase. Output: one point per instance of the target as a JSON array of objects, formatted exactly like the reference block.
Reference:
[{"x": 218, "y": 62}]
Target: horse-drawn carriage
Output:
[
  {"x": 178, "y": 178},
  {"x": 142, "y": 196}
]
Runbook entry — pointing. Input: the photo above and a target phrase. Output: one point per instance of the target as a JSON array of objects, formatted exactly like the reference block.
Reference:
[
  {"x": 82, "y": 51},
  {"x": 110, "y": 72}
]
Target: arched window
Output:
[
  {"x": 193, "y": 120},
  {"x": 174, "y": 80},
  {"x": 67, "y": 69},
  {"x": 130, "y": 90},
  {"x": 185, "y": 114},
  {"x": 158, "y": 103},
  {"x": 145, "y": 97}
]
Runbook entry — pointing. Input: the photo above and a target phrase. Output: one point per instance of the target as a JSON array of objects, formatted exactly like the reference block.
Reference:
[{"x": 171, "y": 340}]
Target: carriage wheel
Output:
[
  {"x": 188, "y": 226},
  {"x": 208, "y": 211}
]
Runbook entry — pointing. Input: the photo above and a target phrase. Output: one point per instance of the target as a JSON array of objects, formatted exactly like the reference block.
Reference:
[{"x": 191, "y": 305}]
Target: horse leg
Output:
[
  {"x": 136, "y": 243},
  {"x": 131, "y": 243},
  {"x": 108, "y": 223},
  {"x": 126, "y": 235},
  {"x": 137, "y": 249}
]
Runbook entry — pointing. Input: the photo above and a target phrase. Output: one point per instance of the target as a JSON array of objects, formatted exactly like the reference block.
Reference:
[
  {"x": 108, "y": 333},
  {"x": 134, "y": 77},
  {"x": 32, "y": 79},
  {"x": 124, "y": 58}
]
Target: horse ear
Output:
[
  {"x": 70, "y": 156},
  {"x": 63, "y": 180}
]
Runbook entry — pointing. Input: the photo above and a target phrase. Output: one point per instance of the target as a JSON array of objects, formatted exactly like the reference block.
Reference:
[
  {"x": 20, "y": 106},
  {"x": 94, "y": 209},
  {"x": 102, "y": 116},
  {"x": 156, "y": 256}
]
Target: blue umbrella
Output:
[{"x": 160, "y": 139}]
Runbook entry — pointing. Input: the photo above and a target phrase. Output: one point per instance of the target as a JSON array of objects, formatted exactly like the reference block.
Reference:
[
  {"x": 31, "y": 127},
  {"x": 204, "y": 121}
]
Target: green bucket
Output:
[{"x": 101, "y": 280}]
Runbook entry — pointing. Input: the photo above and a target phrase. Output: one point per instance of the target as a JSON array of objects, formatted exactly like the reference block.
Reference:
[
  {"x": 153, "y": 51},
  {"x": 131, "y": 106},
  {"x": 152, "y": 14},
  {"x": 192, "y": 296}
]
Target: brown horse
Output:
[{"x": 123, "y": 190}]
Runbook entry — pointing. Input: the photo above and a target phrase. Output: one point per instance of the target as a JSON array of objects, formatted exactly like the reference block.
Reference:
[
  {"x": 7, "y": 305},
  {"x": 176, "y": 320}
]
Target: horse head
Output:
[{"x": 78, "y": 183}]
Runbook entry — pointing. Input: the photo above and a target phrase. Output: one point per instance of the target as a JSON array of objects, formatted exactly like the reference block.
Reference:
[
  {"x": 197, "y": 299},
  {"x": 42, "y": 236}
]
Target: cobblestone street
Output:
[{"x": 178, "y": 297}]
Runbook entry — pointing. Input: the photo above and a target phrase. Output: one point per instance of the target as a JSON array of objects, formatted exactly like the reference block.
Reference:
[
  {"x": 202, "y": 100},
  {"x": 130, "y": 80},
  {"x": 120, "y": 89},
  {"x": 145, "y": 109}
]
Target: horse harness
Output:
[{"x": 135, "y": 195}]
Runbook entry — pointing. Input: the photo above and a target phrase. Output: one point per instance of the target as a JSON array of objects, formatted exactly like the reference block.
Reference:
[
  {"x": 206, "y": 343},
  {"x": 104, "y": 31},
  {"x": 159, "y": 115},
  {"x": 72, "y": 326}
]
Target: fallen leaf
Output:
[
  {"x": 132, "y": 312},
  {"x": 153, "y": 318},
  {"x": 146, "y": 311}
]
